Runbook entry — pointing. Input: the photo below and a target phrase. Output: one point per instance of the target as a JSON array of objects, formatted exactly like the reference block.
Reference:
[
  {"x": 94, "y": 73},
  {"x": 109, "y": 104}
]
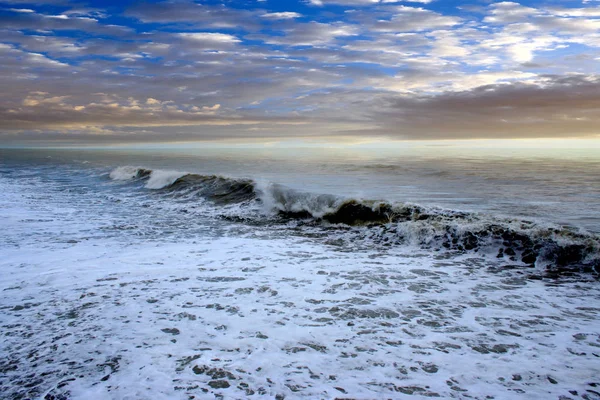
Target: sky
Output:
[{"x": 359, "y": 70}]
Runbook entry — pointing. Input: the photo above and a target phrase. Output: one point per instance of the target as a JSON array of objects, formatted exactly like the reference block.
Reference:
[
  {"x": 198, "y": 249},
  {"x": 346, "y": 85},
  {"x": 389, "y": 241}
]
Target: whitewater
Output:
[{"x": 227, "y": 274}]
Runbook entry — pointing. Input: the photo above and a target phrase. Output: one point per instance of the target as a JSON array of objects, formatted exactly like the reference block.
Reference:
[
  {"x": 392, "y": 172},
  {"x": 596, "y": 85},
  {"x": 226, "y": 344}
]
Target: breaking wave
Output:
[
  {"x": 216, "y": 188},
  {"x": 128, "y": 172},
  {"x": 553, "y": 247}
]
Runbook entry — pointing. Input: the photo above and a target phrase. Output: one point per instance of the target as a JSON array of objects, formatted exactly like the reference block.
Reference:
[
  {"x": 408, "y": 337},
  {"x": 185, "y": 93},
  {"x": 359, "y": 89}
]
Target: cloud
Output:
[
  {"x": 21, "y": 10},
  {"x": 281, "y": 15},
  {"x": 370, "y": 67},
  {"x": 18, "y": 20},
  {"x": 557, "y": 107},
  {"x": 11, "y": 56},
  {"x": 209, "y": 38},
  {"x": 507, "y": 12},
  {"x": 40, "y": 109},
  {"x": 411, "y": 19},
  {"x": 186, "y": 12},
  {"x": 310, "y": 34},
  {"x": 576, "y": 12}
]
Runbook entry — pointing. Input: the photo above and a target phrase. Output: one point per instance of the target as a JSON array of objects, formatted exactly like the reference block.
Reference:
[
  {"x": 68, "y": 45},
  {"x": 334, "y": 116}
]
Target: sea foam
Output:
[
  {"x": 124, "y": 173},
  {"x": 160, "y": 179},
  {"x": 92, "y": 309}
]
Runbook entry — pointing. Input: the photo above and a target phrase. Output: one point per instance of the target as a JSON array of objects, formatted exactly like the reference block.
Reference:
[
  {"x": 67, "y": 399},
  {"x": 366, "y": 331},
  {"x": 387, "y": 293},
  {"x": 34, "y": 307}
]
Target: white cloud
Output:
[
  {"x": 210, "y": 37},
  {"x": 576, "y": 12},
  {"x": 40, "y": 59},
  {"x": 448, "y": 44},
  {"x": 312, "y": 33},
  {"x": 281, "y": 15},
  {"x": 61, "y": 16},
  {"x": 438, "y": 82},
  {"x": 414, "y": 19},
  {"x": 507, "y": 12}
]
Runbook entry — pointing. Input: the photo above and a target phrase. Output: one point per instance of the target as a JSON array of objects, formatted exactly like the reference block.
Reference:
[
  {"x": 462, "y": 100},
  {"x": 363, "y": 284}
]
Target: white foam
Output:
[
  {"x": 124, "y": 173},
  {"x": 280, "y": 198},
  {"x": 160, "y": 179},
  {"x": 83, "y": 299}
]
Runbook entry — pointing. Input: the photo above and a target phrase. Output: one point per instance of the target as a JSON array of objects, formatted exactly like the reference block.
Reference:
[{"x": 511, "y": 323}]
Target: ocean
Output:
[{"x": 196, "y": 272}]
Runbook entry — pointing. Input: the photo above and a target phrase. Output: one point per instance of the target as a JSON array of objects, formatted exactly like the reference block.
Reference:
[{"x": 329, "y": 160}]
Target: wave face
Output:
[
  {"x": 378, "y": 223},
  {"x": 218, "y": 189}
]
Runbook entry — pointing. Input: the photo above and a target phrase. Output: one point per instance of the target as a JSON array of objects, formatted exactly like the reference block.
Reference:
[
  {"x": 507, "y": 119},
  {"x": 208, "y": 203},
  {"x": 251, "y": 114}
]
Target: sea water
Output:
[{"x": 299, "y": 273}]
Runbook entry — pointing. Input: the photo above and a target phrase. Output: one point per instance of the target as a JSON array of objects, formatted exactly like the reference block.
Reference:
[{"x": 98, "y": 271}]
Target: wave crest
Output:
[
  {"x": 160, "y": 179},
  {"x": 128, "y": 172},
  {"x": 216, "y": 188},
  {"x": 382, "y": 223}
]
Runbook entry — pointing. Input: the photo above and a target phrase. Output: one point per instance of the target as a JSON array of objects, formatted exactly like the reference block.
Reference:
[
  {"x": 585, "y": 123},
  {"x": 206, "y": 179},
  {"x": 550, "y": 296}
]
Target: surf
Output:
[{"x": 558, "y": 248}]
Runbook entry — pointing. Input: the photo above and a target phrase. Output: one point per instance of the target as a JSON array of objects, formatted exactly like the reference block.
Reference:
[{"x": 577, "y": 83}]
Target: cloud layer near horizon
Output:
[{"x": 184, "y": 70}]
